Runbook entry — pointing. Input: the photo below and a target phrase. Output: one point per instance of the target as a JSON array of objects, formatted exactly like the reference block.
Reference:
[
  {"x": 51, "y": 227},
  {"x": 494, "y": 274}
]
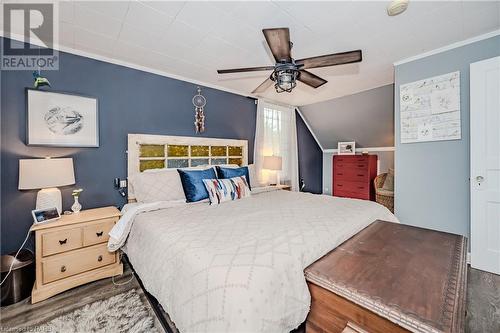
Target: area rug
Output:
[{"x": 120, "y": 313}]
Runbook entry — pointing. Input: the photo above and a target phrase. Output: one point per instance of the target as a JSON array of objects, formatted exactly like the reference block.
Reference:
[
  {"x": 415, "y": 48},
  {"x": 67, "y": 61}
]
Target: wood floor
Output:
[{"x": 483, "y": 303}]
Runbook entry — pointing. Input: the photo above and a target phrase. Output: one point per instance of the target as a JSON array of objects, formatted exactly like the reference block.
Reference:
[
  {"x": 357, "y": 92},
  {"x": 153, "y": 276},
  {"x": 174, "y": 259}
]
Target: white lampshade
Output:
[
  {"x": 45, "y": 173},
  {"x": 272, "y": 162}
]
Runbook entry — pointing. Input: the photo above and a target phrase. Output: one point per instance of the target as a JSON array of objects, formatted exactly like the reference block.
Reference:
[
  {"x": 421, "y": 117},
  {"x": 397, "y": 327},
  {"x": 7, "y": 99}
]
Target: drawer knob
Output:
[
  {"x": 98, "y": 234},
  {"x": 64, "y": 241},
  {"x": 99, "y": 258},
  {"x": 63, "y": 269}
]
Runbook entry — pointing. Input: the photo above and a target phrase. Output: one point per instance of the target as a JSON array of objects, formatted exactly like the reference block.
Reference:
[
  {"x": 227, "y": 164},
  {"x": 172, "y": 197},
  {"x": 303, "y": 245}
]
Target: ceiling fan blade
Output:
[
  {"x": 331, "y": 59},
  {"x": 249, "y": 69},
  {"x": 278, "y": 40},
  {"x": 263, "y": 86},
  {"x": 311, "y": 79}
]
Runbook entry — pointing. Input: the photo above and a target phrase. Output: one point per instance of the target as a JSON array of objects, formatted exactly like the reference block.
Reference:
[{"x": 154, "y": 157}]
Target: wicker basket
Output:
[{"x": 383, "y": 197}]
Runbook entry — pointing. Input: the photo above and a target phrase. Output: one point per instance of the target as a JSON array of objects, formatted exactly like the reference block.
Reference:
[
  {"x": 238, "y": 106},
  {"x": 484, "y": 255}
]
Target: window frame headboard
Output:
[{"x": 136, "y": 140}]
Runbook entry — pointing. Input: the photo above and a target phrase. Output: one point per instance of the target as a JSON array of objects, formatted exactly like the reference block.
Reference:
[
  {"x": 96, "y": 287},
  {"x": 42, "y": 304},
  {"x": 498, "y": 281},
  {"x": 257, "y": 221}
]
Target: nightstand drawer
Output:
[
  {"x": 61, "y": 241},
  {"x": 97, "y": 233},
  {"x": 79, "y": 261}
]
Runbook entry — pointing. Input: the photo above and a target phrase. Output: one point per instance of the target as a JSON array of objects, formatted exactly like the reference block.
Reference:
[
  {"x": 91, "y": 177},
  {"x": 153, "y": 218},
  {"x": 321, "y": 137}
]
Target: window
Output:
[{"x": 276, "y": 134}]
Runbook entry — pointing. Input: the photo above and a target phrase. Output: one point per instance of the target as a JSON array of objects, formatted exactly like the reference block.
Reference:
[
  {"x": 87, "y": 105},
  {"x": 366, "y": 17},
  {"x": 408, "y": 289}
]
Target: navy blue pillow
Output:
[
  {"x": 192, "y": 183},
  {"x": 226, "y": 173}
]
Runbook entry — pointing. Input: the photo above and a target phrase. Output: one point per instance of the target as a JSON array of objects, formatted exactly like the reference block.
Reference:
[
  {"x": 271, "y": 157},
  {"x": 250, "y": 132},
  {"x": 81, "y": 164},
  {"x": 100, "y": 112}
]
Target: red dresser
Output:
[{"x": 353, "y": 176}]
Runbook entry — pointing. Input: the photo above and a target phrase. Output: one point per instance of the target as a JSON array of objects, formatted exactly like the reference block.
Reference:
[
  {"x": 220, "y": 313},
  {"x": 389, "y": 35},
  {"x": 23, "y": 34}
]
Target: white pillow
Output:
[
  {"x": 158, "y": 185},
  {"x": 254, "y": 182}
]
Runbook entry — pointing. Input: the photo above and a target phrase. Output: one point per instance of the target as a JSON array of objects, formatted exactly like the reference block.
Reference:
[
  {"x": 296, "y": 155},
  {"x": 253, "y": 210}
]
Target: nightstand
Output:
[
  {"x": 268, "y": 188},
  {"x": 73, "y": 251},
  {"x": 284, "y": 187}
]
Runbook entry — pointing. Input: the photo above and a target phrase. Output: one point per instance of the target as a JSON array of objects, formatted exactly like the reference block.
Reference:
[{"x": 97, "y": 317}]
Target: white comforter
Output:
[{"x": 238, "y": 266}]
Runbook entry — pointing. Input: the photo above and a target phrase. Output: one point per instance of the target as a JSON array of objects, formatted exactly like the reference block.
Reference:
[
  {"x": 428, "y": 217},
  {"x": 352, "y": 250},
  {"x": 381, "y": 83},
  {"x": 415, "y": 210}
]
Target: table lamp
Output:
[
  {"x": 274, "y": 163},
  {"x": 46, "y": 174}
]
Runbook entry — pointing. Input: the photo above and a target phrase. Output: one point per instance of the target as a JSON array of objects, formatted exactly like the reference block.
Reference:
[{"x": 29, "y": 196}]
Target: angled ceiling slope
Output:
[{"x": 366, "y": 117}]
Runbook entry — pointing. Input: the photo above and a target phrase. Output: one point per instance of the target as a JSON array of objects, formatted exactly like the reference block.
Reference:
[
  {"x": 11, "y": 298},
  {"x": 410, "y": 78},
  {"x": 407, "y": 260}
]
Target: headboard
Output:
[{"x": 147, "y": 151}]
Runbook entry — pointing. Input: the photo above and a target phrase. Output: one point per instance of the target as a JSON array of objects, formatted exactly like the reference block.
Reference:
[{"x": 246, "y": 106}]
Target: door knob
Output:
[{"x": 479, "y": 179}]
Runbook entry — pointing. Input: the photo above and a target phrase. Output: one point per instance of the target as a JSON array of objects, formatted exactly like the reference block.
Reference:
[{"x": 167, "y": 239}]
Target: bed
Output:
[{"x": 238, "y": 266}]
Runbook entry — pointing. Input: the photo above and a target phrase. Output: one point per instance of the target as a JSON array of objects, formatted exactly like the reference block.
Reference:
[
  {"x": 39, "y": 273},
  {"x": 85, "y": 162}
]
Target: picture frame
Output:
[
  {"x": 45, "y": 215},
  {"x": 61, "y": 119},
  {"x": 346, "y": 148}
]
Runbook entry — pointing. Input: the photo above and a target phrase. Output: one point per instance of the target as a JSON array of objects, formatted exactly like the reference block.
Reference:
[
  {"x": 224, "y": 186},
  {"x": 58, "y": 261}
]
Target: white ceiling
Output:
[{"x": 193, "y": 39}]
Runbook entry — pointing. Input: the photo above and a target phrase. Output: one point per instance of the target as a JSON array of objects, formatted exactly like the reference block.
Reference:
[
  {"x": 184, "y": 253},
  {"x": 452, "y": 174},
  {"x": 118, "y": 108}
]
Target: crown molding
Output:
[{"x": 449, "y": 47}]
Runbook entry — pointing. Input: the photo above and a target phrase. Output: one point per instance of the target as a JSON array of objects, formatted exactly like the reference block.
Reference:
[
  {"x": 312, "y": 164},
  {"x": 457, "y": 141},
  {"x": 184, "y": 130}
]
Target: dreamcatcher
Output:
[{"x": 199, "y": 102}]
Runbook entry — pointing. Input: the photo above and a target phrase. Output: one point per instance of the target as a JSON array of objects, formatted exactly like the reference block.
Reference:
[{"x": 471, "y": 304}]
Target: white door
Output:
[{"x": 485, "y": 164}]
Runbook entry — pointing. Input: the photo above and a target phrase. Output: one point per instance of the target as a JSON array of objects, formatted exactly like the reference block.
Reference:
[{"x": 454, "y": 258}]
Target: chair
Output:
[{"x": 383, "y": 197}]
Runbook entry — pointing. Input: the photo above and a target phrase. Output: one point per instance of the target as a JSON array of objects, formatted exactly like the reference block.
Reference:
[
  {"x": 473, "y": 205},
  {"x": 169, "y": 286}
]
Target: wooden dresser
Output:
[
  {"x": 390, "y": 278},
  {"x": 73, "y": 250},
  {"x": 353, "y": 176}
]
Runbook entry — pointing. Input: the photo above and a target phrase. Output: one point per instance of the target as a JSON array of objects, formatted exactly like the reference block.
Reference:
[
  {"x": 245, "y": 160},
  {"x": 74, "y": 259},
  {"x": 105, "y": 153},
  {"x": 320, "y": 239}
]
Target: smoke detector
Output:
[{"x": 396, "y": 7}]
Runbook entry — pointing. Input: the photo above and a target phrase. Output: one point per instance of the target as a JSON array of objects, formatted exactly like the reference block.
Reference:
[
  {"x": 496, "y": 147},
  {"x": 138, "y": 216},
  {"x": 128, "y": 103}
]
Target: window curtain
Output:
[{"x": 276, "y": 134}]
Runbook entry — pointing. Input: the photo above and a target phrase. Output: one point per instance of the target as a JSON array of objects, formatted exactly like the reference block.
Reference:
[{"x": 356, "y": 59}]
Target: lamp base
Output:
[{"x": 48, "y": 198}]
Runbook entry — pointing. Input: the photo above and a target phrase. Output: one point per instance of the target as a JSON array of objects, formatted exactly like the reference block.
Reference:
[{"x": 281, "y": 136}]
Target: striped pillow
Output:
[{"x": 220, "y": 190}]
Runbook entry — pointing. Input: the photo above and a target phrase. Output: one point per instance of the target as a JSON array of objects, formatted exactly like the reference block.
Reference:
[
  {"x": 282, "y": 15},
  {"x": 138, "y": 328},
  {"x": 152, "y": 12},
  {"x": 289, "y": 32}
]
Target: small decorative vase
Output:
[{"x": 76, "y": 207}]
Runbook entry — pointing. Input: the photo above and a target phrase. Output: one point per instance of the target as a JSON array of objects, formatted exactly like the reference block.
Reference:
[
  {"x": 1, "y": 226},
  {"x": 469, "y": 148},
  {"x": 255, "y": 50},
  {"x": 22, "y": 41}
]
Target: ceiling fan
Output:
[{"x": 287, "y": 70}]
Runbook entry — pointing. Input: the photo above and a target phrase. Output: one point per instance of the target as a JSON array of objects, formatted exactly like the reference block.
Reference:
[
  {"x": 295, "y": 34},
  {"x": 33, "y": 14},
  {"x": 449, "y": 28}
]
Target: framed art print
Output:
[
  {"x": 347, "y": 148},
  {"x": 61, "y": 119}
]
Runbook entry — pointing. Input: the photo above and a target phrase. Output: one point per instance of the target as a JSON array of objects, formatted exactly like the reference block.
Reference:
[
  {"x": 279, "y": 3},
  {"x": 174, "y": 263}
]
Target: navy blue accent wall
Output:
[
  {"x": 130, "y": 101},
  {"x": 310, "y": 158}
]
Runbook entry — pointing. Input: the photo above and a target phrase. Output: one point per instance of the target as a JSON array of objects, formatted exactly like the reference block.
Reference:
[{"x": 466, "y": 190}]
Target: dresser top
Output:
[
  {"x": 83, "y": 216},
  {"x": 412, "y": 276}
]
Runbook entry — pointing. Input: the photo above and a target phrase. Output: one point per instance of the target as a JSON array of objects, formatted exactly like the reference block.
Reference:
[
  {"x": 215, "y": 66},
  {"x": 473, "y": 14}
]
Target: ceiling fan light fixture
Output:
[
  {"x": 285, "y": 78},
  {"x": 286, "y": 71}
]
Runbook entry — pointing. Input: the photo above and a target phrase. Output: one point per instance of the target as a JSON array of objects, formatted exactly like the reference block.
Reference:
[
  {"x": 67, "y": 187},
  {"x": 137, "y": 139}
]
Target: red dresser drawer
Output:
[
  {"x": 352, "y": 174},
  {"x": 352, "y": 159},
  {"x": 356, "y": 188}
]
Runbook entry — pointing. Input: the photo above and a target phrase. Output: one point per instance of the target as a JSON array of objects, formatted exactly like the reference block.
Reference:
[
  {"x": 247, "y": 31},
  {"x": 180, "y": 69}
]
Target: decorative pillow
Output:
[
  {"x": 192, "y": 183},
  {"x": 220, "y": 190},
  {"x": 389, "y": 181},
  {"x": 160, "y": 185},
  {"x": 226, "y": 173}
]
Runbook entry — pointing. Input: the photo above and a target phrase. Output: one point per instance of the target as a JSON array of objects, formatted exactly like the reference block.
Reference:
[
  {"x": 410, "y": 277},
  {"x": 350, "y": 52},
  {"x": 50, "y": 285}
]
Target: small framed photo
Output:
[
  {"x": 61, "y": 119},
  {"x": 45, "y": 215},
  {"x": 347, "y": 148}
]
